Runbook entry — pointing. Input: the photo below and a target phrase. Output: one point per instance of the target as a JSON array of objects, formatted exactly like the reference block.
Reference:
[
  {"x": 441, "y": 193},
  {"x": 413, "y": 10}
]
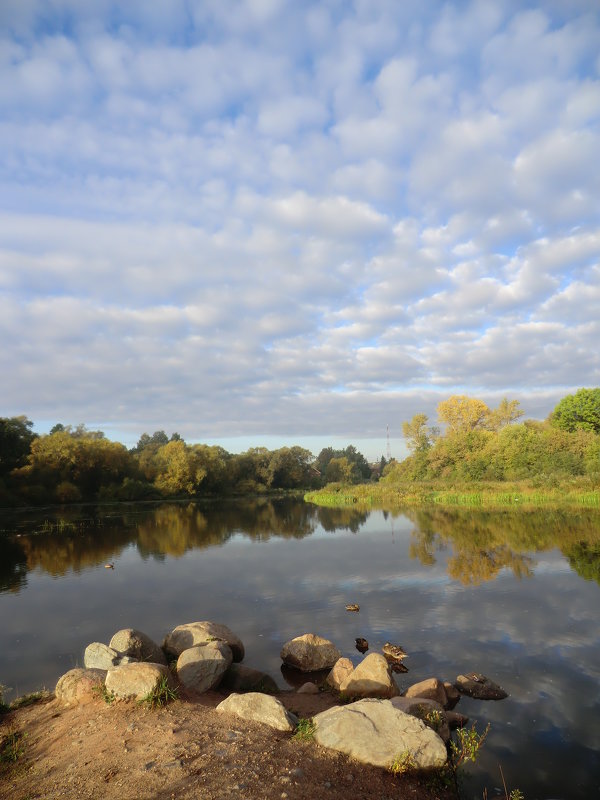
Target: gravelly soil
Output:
[{"x": 185, "y": 750}]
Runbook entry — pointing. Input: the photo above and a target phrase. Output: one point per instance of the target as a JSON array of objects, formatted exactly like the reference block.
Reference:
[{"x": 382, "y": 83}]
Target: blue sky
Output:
[{"x": 266, "y": 222}]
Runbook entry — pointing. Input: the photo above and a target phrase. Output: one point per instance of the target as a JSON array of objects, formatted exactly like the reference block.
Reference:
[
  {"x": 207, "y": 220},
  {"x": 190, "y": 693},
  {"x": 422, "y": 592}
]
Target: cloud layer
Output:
[{"x": 296, "y": 219}]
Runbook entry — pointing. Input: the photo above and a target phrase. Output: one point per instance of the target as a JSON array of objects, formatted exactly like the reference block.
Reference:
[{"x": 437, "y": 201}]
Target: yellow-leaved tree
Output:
[{"x": 462, "y": 414}]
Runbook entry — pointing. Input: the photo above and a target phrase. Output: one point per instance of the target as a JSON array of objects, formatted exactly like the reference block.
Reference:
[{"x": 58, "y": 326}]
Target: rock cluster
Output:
[{"x": 380, "y": 725}]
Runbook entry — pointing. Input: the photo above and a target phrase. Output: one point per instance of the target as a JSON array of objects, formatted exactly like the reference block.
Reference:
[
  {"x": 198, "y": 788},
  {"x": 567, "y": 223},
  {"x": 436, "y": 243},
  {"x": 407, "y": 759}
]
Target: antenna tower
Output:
[{"x": 388, "y": 452}]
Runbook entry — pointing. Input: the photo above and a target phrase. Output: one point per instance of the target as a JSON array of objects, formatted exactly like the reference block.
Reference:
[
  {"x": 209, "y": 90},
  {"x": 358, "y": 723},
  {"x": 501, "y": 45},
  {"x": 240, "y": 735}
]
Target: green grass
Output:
[
  {"x": 101, "y": 691},
  {"x": 404, "y": 762},
  {"x": 12, "y": 747},
  {"x": 305, "y": 730},
  {"x": 480, "y": 495},
  {"x": 31, "y": 698},
  {"x": 162, "y": 694}
]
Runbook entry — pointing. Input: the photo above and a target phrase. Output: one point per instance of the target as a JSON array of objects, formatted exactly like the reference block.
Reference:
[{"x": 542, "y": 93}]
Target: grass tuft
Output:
[
  {"x": 101, "y": 691},
  {"x": 403, "y": 763},
  {"x": 305, "y": 730},
  {"x": 162, "y": 694}
]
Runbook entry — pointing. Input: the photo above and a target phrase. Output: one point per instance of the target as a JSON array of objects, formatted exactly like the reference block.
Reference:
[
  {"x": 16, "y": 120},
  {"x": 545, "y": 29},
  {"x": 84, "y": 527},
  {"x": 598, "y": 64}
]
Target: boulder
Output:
[
  {"x": 371, "y": 678},
  {"x": 374, "y": 732},
  {"x": 432, "y": 713},
  {"x": 452, "y": 694},
  {"x": 136, "y": 680},
  {"x": 240, "y": 678},
  {"x": 341, "y": 669},
  {"x": 201, "y": 668},
  {"x": 79, "y": 685},
  {"x": 135, "y": 644},
  {"x": 308, "y": 688},
  {"x": 478, "y": 686},
  {"x": 100, "y": 656},
  {"x": 310, "y": 653},
  {"x": 456, "y": 720},
  {"x": 432, "y": 689},
  {"x": 259, "y": 707},
  {"x": 192, "y": 633}
]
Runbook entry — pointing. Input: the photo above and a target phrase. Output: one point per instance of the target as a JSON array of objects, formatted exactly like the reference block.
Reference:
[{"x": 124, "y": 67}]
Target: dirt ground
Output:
[{"x": 185, "y": 750}]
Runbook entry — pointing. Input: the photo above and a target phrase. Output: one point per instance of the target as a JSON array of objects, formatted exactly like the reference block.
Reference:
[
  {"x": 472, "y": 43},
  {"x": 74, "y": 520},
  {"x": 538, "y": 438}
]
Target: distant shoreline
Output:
[{"x": 506, "y": 496}]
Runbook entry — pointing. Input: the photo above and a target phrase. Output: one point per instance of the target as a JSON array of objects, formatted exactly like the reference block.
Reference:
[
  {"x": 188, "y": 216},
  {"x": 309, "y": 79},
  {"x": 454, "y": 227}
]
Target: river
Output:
[{"x": 514, "y": 595}]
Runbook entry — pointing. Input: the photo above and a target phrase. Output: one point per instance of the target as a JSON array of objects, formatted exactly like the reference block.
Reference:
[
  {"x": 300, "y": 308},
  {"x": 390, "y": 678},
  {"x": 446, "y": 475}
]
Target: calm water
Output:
[{"x": 515, "y": 596}]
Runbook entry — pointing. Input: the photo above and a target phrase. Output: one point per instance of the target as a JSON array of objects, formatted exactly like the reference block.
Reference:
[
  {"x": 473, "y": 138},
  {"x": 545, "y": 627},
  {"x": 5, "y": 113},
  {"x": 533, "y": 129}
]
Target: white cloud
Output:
[{"x": 295, "y": 219}]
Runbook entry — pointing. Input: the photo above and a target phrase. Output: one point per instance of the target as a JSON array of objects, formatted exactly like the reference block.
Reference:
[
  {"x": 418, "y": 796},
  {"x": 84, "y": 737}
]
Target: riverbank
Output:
[
  {"x": 486, "y": 495},
  {"x": 185, "y": 750}
]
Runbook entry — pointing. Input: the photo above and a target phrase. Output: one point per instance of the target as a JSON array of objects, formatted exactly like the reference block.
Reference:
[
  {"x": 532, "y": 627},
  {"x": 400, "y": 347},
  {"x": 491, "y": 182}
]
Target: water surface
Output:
[{"x": 512, "y": 595}]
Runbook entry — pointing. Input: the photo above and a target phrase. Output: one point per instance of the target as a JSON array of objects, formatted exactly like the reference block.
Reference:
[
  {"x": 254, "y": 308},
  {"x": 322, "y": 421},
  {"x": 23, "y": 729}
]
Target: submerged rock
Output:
[{"x": 478, "y": 686}]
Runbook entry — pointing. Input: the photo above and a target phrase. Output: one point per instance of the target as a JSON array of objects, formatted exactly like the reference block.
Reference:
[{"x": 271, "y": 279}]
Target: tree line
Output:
[
  {"x": 479, "y": 443},
  {"x": 75, "y": 464}
]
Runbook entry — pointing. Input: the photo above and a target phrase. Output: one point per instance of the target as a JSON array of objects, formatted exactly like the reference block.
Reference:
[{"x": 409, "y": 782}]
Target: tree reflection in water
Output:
[
  {"x": 81, "y": 538},
  {"x": 483, "y": 543}
]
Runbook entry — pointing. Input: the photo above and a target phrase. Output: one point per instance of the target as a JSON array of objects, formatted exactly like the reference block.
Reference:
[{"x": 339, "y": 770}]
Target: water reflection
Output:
[
  {"x": 498, "y": 593},
  {"x": 82, "y": 538},
  {"x": 481, "y": 544}
]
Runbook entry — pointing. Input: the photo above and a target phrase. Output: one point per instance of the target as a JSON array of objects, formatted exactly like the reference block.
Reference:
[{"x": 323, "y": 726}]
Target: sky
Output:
[{"x": 261, "y": 222}]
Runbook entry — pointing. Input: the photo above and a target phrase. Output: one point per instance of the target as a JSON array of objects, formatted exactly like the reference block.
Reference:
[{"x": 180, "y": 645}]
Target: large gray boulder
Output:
[
  {"x": 137, "y": 679},
  {"x": 310, "y": 653},
  {"x": 137, "y": 645},
  {"x": 192, "y": 633},
  {"x": 478, "y": 686},
  {"x": 79, "y": 685},
  {"x": 259, "y": 707},
  {"x": 100, "y": 656},
  {"x": 371, "y": 678},
  {"x": 201, "y": 668},
  {"x": 432, "y": 713},
  {"x": 240, "y": 678},
  {"x": 374, "y": 732}
]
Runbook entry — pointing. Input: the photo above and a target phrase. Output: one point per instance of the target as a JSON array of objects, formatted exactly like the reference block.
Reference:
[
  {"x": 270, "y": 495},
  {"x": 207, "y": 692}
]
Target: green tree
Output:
[
  {"x": 341, "y": 470},
  {"x": 16, "y": 436},
  {"x": 508, "y": 411},
  {"x": 418, "y": 436},
  {"x": 579, "y": 411},
  {"x": 179, "y": 469}
]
